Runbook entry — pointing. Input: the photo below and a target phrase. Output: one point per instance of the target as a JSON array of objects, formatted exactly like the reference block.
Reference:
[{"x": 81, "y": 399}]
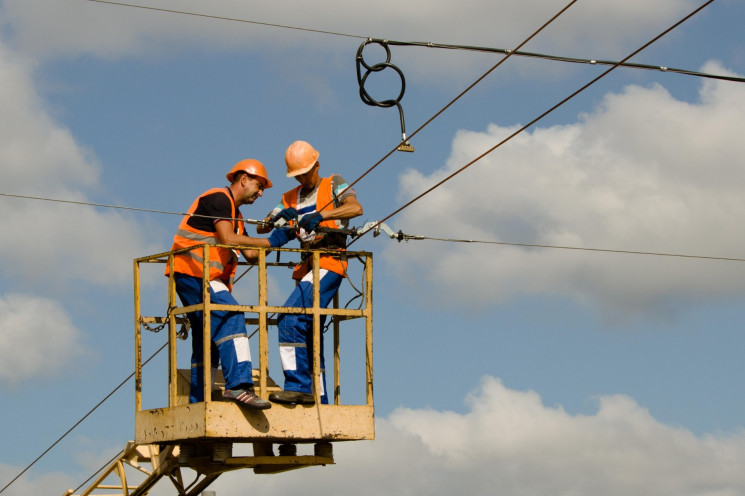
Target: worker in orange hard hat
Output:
[
  {"x": 215, "y": 218},
  {"x": 327, "y": 202}
]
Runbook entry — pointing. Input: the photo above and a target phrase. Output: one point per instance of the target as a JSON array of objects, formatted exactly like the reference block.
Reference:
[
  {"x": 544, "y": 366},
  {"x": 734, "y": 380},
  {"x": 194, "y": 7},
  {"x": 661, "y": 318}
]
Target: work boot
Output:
[
  {"x": 247, "y": 398},
  {"x": 292, "y": 398}
]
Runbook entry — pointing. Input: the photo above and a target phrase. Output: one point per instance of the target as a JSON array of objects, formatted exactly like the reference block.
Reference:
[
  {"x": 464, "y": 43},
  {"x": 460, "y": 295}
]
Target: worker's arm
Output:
[
  {"x": 348, "y": 209},
  {"x": 227, "y": 236}
]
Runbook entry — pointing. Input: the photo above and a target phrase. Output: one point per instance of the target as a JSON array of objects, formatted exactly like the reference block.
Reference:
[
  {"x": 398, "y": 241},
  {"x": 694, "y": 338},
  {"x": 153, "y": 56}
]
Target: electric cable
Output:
[
  {"x": 406, "y": 237},
  {"x": 221, "y": 18},
  {"x": 561, "y": 58},
  {"x": 401, "y": 236},
  {"x": 119, "y": 207},
  {"x": 111, "y": 460},
  {"x": 460, "y": 95},
  {"x": 80, "y": 421},
  {"x": 430, "y": 44},
  {"x": 507, "y": 53},
  {"x": 547, "y": 112}
]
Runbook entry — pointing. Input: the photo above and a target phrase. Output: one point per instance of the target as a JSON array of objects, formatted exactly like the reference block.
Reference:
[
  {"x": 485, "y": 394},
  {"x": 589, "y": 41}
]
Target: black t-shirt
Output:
[{"x": 211, "y": 206}]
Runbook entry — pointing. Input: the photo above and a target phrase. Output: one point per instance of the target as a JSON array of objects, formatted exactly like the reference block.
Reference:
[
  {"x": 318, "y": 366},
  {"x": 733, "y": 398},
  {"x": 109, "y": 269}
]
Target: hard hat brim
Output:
[{"x": 302, "y": 171}]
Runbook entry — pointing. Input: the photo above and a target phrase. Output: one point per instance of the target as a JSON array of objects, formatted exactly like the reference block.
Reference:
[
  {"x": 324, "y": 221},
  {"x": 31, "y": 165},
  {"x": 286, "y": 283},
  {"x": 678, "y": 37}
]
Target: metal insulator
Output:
[{"x": 288, "y": 450}]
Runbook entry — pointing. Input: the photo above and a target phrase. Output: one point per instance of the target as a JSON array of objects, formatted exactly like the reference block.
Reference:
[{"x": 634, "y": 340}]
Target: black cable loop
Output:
[{"x": 369, "y": 69}]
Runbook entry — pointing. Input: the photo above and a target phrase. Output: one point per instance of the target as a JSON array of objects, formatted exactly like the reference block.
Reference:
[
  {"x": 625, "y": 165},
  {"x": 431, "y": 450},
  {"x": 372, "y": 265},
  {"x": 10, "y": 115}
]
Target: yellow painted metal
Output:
[
  {"x": 280, "y": 424},
  {"x": 172, "y": 380},
  {"x": 215, "y": 420},
  {"x": 369, "y": 329},
  {"x": 138, "y": 339},
  {"x": 206, "y": 318},
  {"x": 164, "y": 436},
  {"x": 337, "y": 356},
  {"x": 316, "y": 327},
  {"x": 263, "y": 328}
]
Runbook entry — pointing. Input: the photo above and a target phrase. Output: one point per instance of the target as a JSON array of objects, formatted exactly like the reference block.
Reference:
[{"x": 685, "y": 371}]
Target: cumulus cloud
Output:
[
  {"x": 50, "y": 483},
  {"x": 510, "y": 443},
  {"x": 37, "y": 338},
  {"x": 642, "y": 172},
  {"x": 39, "y": 157},
  {"x": 507, "y": 442}
]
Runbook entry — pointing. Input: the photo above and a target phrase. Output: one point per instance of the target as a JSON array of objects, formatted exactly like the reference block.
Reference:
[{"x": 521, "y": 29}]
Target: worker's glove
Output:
[
  {"x": 310, "y": 222},
  {"x": 287, "y": 214},
  {"x": 280, "y": 237}
]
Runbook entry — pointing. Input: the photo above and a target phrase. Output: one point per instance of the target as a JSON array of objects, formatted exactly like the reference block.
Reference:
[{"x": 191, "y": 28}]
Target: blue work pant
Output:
[
  {"x": 228, "y": 335},
  {"x": 296, "y": 334}
]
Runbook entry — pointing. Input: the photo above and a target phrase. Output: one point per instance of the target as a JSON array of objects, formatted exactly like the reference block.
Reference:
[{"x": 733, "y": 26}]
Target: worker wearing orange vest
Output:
[
  {"x": 215, "y": 218},
  {"x": 326, "y": 202}
]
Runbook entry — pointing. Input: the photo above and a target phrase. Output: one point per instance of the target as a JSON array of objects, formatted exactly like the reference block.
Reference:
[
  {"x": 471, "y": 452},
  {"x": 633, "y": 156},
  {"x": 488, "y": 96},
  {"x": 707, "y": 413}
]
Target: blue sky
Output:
[{"x": 530, "y": 370}]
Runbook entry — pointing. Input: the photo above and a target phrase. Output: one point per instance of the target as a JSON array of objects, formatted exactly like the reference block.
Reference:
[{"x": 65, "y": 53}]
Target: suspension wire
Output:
[
  {"x": 80, "y": 421},
  {"x": 221, "y": 18},
  {"x": 544, "y": 114},
  {"x": 402, "y": 236},
  {"x": 430, "y": 44},
  {"x": 576, "y": 248},
  {"x": 508, "y": 54},
  {"x": 561, "y": 58},
  {"x": 119, "y": 207},
  {"x": 111, "y": 460},
  {"x": 460, "y": 95}
]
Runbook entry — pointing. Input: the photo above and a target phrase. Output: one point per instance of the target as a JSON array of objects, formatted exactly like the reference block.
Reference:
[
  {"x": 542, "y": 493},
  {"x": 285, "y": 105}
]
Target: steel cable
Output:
[{"x": 547, "y": 112}]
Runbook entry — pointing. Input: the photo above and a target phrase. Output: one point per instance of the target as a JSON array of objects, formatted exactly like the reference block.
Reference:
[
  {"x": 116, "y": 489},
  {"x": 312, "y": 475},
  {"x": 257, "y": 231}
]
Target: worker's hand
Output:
[
  {"x": 280, "y": 237},
  {"x": 310, "y": 222},
  {"x": 288, "y": 213}
]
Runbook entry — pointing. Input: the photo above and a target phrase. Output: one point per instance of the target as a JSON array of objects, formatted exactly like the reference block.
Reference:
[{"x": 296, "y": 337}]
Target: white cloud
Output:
[
  {"x": 40, "y": 157},
  {"x": 50, "y": 483},
  {"x": 643, "y": 172},
  {"x": 509, "y": 443},
  {"x": 37, "y": 338}
]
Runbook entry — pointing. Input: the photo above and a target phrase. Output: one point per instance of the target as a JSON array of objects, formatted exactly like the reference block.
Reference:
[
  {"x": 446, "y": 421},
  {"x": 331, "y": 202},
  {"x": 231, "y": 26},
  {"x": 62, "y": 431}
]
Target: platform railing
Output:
[{"x": 261, "y": 312}]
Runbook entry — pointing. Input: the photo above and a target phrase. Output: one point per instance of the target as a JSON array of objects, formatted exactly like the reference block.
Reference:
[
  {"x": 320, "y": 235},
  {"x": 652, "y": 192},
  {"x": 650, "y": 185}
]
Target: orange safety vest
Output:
[
  {"x": 223, "y": 261},
  {"x": 324, "y": 201}
]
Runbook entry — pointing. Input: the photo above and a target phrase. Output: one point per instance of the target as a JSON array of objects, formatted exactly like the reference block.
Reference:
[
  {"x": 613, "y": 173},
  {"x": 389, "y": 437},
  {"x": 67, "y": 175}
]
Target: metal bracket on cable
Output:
[
  {"x": 378, "y": 226},
  {"x": 405, "y": 146}
]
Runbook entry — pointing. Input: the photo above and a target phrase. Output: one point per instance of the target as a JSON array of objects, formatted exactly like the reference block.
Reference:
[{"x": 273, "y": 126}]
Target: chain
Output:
[{"x": 182, "y": 333}]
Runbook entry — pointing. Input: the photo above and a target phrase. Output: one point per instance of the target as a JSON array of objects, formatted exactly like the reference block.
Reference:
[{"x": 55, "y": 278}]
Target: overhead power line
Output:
[
  {"x": 575, "y": 248},
  {"x": 432, "y": 44},
  {"x": 119, "y": 207},
  {"x": 547, "y": 112},
  {"x": 561, "y": 58},
  {"x": 401, "y": 236},
  {"x": 80, "y": 421},
  {"x": 460, "y": 95},
  {"x": 222, "y": 18}
]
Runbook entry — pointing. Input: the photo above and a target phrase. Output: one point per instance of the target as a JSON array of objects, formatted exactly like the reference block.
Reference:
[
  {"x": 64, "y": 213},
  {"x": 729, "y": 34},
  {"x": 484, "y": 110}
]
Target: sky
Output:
[{"x": 507, "y": 367}]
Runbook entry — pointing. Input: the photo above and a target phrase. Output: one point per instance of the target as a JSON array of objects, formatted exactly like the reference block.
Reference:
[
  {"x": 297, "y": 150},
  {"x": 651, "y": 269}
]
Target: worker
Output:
[
  {"x": 318, "y": 201},
  {"x": 215, "y": 218}
]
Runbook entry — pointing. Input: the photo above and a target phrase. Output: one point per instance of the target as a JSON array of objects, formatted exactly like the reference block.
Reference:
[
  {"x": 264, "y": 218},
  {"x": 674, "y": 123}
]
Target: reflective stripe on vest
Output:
[
  {"x": 223, "y": 261},
  {"x": 324, "y": 201}
]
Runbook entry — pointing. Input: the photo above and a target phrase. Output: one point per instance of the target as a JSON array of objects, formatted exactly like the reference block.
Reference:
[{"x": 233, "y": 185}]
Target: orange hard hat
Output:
[
  {"x": 252, "y": 167},
  {"x": 300, "y": 157}
]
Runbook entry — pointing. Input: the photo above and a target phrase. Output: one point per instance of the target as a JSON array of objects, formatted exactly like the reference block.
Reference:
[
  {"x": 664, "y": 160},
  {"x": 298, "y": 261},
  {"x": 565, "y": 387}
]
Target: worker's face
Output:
[
  {"x": 309, "y": 180},
  {"x": 252, "y": 187}
]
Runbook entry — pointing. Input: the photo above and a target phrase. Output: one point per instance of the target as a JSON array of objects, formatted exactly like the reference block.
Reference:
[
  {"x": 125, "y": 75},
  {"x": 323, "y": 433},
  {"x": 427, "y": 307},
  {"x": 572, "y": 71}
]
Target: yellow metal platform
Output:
[{"x": 228, "y": 421}]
